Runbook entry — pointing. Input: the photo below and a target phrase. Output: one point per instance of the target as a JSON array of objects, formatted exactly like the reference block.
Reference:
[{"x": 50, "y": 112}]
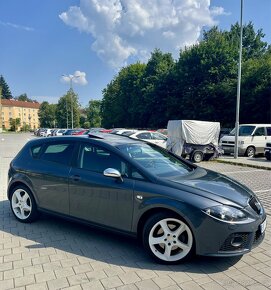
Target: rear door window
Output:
[{"x": 58, "y": 152}]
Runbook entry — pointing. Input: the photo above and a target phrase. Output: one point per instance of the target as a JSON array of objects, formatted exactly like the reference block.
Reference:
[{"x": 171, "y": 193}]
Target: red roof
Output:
[{"x": 21, "y": 104}]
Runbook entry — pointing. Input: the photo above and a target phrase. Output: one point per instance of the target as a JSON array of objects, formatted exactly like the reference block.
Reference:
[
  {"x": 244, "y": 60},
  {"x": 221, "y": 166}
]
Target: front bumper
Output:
[{"x": 226, "y": 239}]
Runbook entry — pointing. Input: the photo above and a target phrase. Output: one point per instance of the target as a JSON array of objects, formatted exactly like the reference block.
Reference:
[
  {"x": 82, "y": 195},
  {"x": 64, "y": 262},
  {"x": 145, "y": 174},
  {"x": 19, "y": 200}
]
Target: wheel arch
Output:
[
  {"x": 17, "y": 183},
  {"x": 253, "y": 146},
  {"x": 152, "y": 211}
]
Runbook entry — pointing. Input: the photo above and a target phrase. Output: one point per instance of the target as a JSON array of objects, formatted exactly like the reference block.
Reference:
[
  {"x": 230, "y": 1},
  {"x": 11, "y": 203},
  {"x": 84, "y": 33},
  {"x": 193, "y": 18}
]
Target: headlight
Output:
[
  {"x": 241, "y": 142},
  {"x": 225, "y": 213}
]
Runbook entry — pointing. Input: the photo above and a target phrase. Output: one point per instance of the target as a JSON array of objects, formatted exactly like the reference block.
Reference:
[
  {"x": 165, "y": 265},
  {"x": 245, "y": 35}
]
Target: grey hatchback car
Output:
[{"x": 139, "y": 189}]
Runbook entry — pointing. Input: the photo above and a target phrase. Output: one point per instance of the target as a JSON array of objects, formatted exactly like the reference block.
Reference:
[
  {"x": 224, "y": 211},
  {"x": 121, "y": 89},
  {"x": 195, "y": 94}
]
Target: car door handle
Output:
[{"x": 75, "y": 177}]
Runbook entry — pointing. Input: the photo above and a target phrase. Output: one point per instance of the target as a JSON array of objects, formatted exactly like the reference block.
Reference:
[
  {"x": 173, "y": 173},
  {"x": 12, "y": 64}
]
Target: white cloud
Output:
[
  {"x": 77, "y": 78},
  {"x": 216, "y": 11},
  {"x": 16, "y": 26},
  {"x": 125, "y": 29}
]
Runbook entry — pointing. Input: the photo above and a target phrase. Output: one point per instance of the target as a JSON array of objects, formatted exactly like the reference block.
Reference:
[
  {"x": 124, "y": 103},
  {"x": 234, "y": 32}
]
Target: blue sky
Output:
[{"x": 42, "y": 40}]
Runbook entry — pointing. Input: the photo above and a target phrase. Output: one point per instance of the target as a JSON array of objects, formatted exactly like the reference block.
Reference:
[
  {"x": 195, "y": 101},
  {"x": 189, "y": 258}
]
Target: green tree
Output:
[
  {"x": 94, "y": 113},
  {"x": 6, "y": 94},
  {"x": 122, "y": 99},
  {"x": 47, "y": 115},
  {"x": 24, "y": 98},
  {"x": 201, "y": 84},
  {"x": 14, "y": 124},
  {"x": 255, "y": 102},
  {"x": 155, "y": 89},
  {"x": 65, "y": 105}
]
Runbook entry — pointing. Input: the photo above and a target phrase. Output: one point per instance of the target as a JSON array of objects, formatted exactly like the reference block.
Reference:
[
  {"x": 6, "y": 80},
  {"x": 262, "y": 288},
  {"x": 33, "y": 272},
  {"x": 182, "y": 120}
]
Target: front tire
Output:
[
  {"x": 23, "y": 204},
  {"x": 250, "y": 152},
  {"x": 167, "y": 238}
]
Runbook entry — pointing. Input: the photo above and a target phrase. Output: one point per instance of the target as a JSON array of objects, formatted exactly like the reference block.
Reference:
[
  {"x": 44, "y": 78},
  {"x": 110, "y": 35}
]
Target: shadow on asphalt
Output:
[{"x": 97, "y": 245}]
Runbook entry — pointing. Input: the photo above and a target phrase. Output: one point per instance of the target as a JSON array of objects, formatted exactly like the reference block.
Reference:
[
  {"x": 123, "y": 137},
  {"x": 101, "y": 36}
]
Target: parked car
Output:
[
  {"x": 251, "y": 141},
  {"x": 115, "y": 130},
  {"x": 59, "y": 132},
  {"x": 82, "y": 132},
  {"x": 126, "y": 132},
  {"x": 151, "y": 137},
  {"x": 46, "y": 133},
  {"x": 140, "y": 189},
  {"x": 267, "y": 151},
  {"x": 162, "y": 131}
]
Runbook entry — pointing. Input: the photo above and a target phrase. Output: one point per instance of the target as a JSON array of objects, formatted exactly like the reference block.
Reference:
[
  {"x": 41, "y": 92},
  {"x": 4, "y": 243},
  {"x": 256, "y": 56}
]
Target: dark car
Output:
[
  {"x": 267, "y": 151},
  {"x": 136, "y": 188}
]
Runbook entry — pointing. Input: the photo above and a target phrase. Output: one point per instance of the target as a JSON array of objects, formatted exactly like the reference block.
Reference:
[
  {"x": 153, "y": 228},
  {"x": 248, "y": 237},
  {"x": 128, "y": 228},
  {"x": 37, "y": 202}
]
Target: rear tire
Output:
[
  {"x": 167, "y": 238},
  {"x": 23, "y": 204}
]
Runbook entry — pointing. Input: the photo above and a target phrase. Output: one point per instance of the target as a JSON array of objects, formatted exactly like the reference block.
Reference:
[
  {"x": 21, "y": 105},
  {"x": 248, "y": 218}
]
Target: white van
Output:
[{"x": 251, "y": 141}]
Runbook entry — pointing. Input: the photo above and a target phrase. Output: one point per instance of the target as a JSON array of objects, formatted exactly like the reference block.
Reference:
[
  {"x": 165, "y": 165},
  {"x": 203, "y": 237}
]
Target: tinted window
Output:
[
  {"x": 144, "y": 136},
  {"x": 268, "y": 129},
  {"x": 58, "y": 153},
  {"x": 259, "y": 132},
  {"x": 97, "y": 159},
  {"x": 155, "y": 160},
  {"x": 35, "y": 150},
  {"x": 158, "y": 136},
  {"x": 243, "y": 131}
]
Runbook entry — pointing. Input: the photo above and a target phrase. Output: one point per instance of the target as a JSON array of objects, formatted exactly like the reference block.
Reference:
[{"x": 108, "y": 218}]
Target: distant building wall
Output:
[{"x": 27, "y": 112}]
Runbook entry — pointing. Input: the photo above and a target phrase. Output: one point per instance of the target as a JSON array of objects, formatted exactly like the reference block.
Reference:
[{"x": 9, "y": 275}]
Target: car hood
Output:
[{"x": 214, "y": 186}]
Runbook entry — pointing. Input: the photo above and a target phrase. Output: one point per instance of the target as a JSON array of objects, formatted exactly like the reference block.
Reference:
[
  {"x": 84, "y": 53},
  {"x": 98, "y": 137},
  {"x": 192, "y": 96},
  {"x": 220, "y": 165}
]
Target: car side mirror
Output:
[{"x": 111, "y": 172}]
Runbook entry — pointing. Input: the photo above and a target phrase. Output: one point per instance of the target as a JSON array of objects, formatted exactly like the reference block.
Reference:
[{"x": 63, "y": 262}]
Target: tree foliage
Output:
[
  {"x": 24, "y": 98},
  {"x": 64, "y": 108},
  {"x": 200, "y": 85},
  {"x": 94, "y": 114},
  {"x": 6, "y": 94},
  {"x": 47, "y": 115},
  {"x": 14, "y": 124}
]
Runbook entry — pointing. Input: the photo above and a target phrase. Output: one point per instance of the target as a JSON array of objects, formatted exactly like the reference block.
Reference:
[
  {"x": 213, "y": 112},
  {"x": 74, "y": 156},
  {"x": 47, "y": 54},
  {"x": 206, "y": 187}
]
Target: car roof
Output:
[
  {"x": 102, "y": 138},
  {"x": 113, "y": 139}
]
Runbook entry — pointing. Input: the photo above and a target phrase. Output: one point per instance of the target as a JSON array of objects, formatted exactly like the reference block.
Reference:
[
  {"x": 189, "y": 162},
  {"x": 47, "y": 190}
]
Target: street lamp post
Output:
[
  {"x": 238, "y": 85},
  {"x": 71, "y": 77}
]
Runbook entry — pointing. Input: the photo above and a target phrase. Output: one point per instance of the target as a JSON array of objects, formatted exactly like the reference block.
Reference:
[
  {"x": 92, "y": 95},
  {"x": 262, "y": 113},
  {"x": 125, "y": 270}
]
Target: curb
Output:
[{"x": 243, "y": 164}]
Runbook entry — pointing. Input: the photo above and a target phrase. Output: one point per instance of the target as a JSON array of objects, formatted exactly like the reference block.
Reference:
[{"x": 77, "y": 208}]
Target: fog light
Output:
[{"x": 237, "y": 241}]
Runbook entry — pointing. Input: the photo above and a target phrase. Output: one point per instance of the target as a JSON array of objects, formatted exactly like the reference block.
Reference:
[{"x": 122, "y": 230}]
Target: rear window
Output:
[
  {"x": 35, "y": 151},
  {"x": 58, "y": 153}
]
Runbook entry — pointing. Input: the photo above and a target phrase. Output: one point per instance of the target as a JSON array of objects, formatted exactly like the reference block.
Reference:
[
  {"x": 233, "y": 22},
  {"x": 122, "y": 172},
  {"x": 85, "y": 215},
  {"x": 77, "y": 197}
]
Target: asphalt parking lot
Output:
[{"x": 55, "y": 254}]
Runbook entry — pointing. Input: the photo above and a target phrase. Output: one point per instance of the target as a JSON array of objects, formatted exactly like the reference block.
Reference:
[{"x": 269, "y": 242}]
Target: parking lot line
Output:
[
  {"x": 266, "y": 190},
  {"x": 244, "y": 171}
]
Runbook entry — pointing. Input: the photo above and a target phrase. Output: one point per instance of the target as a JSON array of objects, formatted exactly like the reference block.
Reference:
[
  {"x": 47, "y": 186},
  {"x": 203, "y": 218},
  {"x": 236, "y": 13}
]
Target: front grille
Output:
[
  {"x": 227, "y": 142},
  {"x": 255, "y": 205},
  {"x": 228, "y": 247}
]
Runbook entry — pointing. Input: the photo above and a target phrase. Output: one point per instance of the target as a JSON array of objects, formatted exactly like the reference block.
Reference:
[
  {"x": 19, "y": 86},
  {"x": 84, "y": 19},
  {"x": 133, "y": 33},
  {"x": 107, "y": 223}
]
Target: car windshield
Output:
[
  {"x": 155, "y": 160},
  {"x": 243, "y": 131}
]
